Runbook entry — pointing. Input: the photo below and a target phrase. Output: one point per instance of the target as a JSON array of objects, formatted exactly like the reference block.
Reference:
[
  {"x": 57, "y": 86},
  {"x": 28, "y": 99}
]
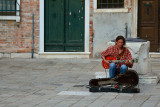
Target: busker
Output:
[{"x": 119, "y": 52}]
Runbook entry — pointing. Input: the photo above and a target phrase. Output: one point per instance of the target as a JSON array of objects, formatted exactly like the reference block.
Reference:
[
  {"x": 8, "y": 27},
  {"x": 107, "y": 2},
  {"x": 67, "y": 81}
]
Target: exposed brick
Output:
[
  {"x": 17, "y": 37},
  {"x": 91, "y": 29}
]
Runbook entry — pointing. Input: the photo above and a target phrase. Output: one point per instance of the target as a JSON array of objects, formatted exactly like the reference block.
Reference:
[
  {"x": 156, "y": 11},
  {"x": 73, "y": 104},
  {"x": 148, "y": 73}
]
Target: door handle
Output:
[
  {"x": 146, "y": 35},
  {"x": 70, "y": 13}
]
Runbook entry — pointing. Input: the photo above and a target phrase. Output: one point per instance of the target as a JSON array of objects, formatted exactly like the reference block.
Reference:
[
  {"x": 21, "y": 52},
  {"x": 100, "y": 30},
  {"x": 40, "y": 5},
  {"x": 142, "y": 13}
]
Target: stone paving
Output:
[{"x": 39, "y": 82}]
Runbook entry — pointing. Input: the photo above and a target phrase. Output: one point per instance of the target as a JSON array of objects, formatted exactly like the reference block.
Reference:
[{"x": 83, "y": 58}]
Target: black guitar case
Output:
[{"x": 124, "y": 83}]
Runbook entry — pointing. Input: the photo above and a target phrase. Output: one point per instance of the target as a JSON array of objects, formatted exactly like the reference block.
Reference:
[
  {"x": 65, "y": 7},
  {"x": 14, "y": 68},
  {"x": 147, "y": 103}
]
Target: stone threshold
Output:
[
  {"x": 148, "y": 79},
  {"x": 64, "y": 54},
  {"x": 18, "y": 55},
  {"x": 154, "y": 54},
  {"x": 47, "y": 55}
]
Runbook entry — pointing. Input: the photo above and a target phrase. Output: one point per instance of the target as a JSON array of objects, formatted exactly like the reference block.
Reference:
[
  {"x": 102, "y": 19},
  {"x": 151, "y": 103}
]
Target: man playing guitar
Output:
[{"x": 119, "y": 52}]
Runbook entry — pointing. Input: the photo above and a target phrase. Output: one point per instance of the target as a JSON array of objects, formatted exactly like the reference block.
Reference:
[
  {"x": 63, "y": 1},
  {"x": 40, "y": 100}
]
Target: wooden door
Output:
[
  {"x": 74, "y": 38},
  {"x": 54, "y": 25},
  {"x": 64, "y": 26},
  {"x": 148, "y": 22}
]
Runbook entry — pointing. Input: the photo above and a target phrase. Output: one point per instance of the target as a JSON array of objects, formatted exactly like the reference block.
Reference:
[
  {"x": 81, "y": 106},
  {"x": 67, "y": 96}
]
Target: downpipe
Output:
[
  {"x": 32, "y": 51},
  {"x": 126, "y": 28}
]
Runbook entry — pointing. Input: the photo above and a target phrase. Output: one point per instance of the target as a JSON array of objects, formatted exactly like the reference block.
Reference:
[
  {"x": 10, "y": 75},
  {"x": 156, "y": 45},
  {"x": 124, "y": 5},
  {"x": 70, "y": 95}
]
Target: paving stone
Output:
[
  {"x": 133, "y": 103},
  {"x": 5, "y": 103},
  {"x": 117, "y": 102},
  {"x": 101, "y": 102},
  {"x": 148, "y": 104},
  {"x": 14, "y": 98},
  {"x": 48, "y": 103},
  {"x": 60, "y": 97},
  {"x": 140, "y": 97},
  {"x": 154, "y": 98},
  {"x": 82, "y": 103},
  {"x": 124, "y": 96},
  {"x": 89, "y": 98},
  {"x": 158, "y": 105},
  {"x": 73, "y": 97},
  {"x": 155, "y": 91},
  {"x": 66, "y": 103},
  {"x": 44, "y": 92},
  {"x": 36, "y": 83}
]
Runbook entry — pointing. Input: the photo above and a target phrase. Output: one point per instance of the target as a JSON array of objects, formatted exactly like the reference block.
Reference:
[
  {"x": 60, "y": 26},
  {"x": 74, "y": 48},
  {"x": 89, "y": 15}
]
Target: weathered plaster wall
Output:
[{"x": 107, "y": 26}]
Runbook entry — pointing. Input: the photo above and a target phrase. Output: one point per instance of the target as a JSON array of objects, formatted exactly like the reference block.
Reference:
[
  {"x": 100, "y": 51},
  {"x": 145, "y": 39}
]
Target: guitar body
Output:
[
  {"x": 107, "y": 58},
  {"x": 113, "y": 60}
]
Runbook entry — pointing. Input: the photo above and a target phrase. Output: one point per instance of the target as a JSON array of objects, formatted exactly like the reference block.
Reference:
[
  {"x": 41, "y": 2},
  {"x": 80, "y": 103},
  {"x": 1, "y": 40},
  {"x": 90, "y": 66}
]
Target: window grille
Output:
[
  {"x": 102, "y": 4},
  {"x": 9, "y": 8}
]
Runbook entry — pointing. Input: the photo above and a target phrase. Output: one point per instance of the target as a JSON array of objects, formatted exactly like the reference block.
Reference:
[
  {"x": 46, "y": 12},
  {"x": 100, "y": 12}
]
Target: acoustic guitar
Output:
[{"x": 114, "y": 60}]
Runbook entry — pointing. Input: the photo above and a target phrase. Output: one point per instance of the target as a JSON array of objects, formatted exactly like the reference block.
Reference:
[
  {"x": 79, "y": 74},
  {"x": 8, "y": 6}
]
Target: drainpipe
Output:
[
  {"x": 126, "y": 28},
  {"x": 32, "y": 35}
]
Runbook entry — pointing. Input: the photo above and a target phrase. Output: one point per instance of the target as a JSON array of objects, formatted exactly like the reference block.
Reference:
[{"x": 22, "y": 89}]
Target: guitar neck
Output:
[{"x": 118, "y": 61}]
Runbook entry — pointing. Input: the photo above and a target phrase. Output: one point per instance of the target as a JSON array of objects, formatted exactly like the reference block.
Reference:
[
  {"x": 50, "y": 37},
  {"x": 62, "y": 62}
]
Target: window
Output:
[
  {"x": 103, "y": 4},
  {"x": 8, "y": 8}
]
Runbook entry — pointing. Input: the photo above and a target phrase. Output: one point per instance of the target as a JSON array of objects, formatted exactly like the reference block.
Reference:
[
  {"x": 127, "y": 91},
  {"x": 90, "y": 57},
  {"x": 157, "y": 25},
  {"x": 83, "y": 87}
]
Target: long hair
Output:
[{"x": 122, "y": 38}]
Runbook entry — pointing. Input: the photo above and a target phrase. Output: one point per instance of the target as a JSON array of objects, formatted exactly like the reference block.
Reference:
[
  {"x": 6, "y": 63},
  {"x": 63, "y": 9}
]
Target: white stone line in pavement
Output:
[
  {"x": 81, "y": 93},
  {"x": 102, "y": 74}
]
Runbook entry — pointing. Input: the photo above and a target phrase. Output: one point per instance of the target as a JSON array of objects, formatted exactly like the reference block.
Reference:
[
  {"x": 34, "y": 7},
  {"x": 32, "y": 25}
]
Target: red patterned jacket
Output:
[{"x": 113, "y": 51}]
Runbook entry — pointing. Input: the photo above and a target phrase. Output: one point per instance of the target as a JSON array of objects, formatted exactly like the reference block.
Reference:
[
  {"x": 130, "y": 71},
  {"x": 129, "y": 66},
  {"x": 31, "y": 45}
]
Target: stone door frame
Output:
[{"x": 86, "y": 34}]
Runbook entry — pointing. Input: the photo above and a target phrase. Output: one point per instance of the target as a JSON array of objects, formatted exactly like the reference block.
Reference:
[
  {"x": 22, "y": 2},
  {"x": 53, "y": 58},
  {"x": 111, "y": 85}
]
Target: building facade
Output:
[{"x": 74, "y": 28}]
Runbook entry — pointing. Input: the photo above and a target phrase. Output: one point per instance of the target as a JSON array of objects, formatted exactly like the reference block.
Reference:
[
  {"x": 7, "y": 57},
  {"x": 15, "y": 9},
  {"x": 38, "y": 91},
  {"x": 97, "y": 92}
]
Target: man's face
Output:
[{"x": 120, "y": 43}]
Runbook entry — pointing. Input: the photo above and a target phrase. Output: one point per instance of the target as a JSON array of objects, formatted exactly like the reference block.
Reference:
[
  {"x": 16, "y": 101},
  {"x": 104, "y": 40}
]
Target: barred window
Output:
[
  {"x": 102, "y": 4},
  {"x": 8, "y": 7}
]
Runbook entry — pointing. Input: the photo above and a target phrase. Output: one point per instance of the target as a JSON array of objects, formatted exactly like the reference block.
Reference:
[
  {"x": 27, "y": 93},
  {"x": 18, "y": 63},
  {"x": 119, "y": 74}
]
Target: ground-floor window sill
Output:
[
  {"x": 16, "y": 18},
  {"x": 125, "y": 10},
  {"x": 64, "y": 53}
]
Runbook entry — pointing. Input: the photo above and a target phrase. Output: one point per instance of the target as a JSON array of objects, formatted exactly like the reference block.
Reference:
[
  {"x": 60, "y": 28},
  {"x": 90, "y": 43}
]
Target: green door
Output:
[{"x": 64, "y": 26}]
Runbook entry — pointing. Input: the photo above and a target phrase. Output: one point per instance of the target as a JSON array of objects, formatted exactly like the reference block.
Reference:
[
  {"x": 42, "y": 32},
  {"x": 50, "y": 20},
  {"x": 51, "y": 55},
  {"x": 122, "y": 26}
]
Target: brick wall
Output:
[
  {"x": 17, "y": 37},
  {"x": 91, "y": 29}
]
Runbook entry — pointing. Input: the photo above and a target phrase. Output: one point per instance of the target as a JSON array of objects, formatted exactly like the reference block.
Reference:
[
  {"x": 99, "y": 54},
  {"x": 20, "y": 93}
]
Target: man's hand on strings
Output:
[{"x": 107, "y": 62}]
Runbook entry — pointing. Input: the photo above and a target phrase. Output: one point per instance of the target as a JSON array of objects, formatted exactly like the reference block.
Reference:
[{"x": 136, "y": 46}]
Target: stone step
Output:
[
  {"x": 143, "y": 79},
  {"x": 154, "y": 54},
  {"x": 148, "y": 79}
]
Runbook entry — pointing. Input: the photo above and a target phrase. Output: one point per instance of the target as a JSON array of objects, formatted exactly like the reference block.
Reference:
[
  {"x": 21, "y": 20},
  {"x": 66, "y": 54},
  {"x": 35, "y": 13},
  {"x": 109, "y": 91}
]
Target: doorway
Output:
[
  {"x": 64, "y": 26},
  {"x": 148, "y": 22}
]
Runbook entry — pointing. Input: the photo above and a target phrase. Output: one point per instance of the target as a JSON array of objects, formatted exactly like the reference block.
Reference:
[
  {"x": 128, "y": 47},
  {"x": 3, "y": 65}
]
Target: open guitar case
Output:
[{"x": 122, "y": 83}]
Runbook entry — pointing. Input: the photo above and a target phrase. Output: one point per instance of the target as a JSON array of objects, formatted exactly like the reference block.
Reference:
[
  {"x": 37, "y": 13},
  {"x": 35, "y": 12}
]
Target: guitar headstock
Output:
[{"x": 135, "y": 60}]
